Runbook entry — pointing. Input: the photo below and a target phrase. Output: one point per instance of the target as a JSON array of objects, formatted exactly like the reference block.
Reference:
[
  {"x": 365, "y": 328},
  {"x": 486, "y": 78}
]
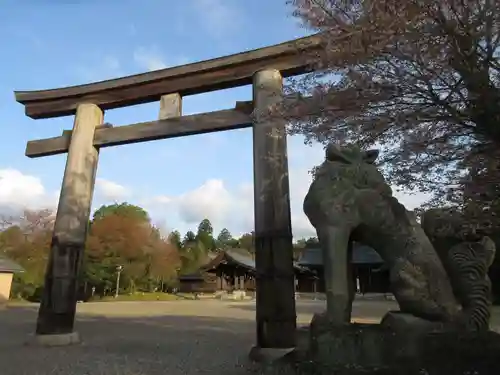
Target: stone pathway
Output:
[{"x": 134, "y": 338}]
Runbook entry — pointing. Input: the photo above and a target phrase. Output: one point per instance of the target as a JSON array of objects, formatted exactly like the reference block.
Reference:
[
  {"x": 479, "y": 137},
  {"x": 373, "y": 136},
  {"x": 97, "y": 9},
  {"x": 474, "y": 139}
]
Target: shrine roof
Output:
[{"x": 7, "y": 265}]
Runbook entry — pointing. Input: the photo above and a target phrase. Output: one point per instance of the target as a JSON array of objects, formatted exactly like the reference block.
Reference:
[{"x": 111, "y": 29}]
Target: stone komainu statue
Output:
[
  {"x": 468, "y": 265},
  {"x": 349, "y": 199},
  {"x": 467, "y": 259}
]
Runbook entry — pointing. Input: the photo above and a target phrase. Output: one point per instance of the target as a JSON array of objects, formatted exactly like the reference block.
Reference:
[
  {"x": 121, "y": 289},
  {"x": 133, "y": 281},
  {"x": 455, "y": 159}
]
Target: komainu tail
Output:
[{"x": 468, "y": 265}]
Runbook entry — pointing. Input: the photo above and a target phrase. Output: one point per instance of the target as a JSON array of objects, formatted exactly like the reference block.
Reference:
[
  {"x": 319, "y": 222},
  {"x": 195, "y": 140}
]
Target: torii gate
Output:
[{"x": 264, "y": 68}]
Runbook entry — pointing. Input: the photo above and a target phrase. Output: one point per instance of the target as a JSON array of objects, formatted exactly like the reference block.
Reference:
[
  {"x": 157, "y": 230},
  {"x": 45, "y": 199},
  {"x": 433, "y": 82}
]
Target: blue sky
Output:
[{"x": 56, "y": 43}]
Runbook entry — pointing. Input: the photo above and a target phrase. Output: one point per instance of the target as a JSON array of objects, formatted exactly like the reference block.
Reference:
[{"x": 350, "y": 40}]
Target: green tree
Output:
[
  {"x": 207, "y": 240},
  {"x": 28, "y": 244},
  {"x": 312, "y": 242},
  {"x": 122, "y": 209},
  {"x": 193, "y": 256},
  {"x": 247, "y": 241},
  {"x": 188, "y": 238},
  {"x": 224, "y": 237},
  {"x": 205, "y": 226},
  {"x": 226, "y": 240},
  {"x": 302, "y": 244},
  {"x": 205, "y": 235}
]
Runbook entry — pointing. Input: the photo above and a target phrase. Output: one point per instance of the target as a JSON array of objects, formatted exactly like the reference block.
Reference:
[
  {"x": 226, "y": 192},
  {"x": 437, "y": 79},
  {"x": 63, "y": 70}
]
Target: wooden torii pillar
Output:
[
  {"x": 56, "y": 315},
  {"x": 276, "y": 317}
]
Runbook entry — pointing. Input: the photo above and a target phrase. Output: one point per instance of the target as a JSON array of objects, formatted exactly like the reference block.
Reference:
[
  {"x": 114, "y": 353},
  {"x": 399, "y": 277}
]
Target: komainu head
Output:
[
  {"x": 350, "y": 154},
  {"x": 350, "y": 167}
]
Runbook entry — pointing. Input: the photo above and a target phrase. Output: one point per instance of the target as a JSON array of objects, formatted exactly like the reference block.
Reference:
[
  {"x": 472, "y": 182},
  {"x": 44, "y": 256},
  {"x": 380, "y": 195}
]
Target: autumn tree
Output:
[
  {"x": 162, "y": 260},
  {"x": 127, "y": 241},
  {"x": 122, "y": 209},
  {"x": 419, "y": 78},
  {"x": 27, "y": 242}
]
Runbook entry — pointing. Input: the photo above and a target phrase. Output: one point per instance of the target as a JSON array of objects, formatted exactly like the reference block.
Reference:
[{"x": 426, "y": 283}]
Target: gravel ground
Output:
[{"x": 134, "y": 338}]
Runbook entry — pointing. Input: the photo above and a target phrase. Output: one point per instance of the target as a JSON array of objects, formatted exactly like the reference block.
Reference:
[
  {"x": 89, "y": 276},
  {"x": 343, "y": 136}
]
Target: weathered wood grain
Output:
[
  {"x": 275, "y": 305},
  {"x": 170, "y": 106},
  {"x": 98, "y": 127},
  {"x": 147, "y": 131},
  {"x": 291, "y": 58},
  {"x": 58, "y": 306}
]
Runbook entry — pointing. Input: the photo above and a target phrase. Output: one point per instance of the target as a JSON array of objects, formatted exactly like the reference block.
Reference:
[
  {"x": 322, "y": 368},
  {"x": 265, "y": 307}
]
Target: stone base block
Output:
[
  {"x": 403, "y": 344},
  {"x": 55, "y": 340},
  {"x": 400, "y": 322}
]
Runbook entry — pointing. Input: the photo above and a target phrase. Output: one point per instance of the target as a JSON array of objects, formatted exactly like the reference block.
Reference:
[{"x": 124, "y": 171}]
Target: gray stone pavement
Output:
[{"x": 149, "y": 338}]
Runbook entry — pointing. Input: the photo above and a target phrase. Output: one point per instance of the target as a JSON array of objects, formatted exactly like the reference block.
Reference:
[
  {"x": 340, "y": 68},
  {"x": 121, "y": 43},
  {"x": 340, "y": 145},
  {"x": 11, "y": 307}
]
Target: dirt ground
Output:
[{"x": 149, "y": 338}]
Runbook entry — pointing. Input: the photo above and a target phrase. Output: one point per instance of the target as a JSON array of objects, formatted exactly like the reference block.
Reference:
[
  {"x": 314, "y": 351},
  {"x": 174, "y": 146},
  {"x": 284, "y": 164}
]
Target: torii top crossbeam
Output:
[{"x": 204, "y": 76}]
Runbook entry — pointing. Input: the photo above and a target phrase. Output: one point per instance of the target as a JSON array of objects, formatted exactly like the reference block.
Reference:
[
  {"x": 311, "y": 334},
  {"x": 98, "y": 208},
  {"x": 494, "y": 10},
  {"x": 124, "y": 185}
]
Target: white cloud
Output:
[
  {"x": 19, "y": 191},
  {"x": 110, "y": 190},
  {"x": 211, "y": 200},
  {"x": 231, "y": 208},
  {"x": 300, "y": 179}
]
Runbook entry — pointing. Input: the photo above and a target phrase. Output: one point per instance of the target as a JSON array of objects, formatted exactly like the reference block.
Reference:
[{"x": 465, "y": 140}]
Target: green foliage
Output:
[
  {"x": 247, "y": 241},
  {"x": 205, "y": 226},
  {"x": 204, "y": 235},
  {"x": 98, "y": 272},
  {"x": 225, "y": 239},
  {"x": 306, "y": 243},
  {"x": 207, "y": 241},
  {"x": 189, "y": 237},
  {"x": 302, "y": 244},
  {"x": 175, "y": 239},
  {"x": 193, "y": 256}
]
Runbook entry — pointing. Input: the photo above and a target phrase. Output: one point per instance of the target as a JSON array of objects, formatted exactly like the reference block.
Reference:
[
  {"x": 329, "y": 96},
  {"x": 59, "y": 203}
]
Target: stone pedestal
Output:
[
  {"x": 55, "y": 340},
  {"x": 349, "y": 346},
  {"x": 401, "y": 344}
]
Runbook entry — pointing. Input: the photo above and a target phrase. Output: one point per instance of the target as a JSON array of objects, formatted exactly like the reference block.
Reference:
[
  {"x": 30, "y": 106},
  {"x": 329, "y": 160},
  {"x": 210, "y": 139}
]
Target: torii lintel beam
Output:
[{"x": 290, "y": 58}]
